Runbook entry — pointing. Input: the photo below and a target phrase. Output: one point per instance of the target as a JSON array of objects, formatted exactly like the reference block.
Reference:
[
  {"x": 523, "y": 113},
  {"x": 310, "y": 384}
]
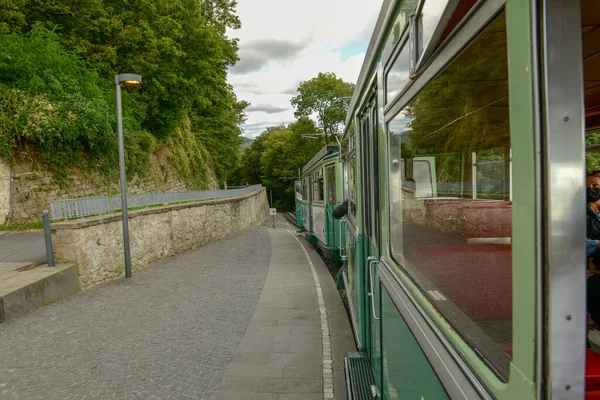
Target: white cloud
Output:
[{"x": 285, "y": 42}]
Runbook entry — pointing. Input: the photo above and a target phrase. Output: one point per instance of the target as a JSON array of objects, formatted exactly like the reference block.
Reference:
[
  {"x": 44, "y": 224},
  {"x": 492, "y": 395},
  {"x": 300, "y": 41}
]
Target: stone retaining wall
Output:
[
  {"x": 96, "y": 244},
  {"x": 34, "y": 187}
]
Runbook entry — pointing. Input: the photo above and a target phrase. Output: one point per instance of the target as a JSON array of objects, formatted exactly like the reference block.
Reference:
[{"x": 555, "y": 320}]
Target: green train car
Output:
[
  {"x": 318, "y": 192},
  {"x": 464, "y": 168}
]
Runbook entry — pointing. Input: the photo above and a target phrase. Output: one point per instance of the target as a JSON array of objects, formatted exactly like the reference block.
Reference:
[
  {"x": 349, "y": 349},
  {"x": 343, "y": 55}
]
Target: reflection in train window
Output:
[
  {"x": 397, "y": 76},
  {"x": 450, "y": 195}
]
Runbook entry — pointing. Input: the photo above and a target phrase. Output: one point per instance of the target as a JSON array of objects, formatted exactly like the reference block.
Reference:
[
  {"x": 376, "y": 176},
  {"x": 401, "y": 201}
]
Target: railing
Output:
[{"x": 87, "y": 206}]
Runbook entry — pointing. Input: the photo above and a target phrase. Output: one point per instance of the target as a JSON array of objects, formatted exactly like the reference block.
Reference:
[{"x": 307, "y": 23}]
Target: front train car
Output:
[
  {"x": 464, "y": 169},
  {"x": 322, "y": 178}
]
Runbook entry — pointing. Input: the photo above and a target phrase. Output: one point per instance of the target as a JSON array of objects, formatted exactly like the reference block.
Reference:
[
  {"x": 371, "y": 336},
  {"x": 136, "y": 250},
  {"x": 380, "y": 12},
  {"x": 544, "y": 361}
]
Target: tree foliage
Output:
[
  {"x": 52, "y": 102},
  {"x": 275, "y": 158},
  {"x": 322, "y": 96},
  {"x": 179, "y": 47}
]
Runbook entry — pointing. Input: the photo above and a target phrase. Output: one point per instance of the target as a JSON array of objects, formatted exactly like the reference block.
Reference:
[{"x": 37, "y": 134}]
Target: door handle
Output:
[{"x": 372, "y": 260}]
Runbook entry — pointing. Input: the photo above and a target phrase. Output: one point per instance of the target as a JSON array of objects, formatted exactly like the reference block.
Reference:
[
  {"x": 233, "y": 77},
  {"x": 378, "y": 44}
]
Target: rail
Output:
[{"x": 88, "y": 206}]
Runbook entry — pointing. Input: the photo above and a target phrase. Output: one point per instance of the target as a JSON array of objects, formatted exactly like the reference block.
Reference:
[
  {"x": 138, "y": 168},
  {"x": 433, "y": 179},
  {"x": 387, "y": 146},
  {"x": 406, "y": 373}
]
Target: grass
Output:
[{"x": 28, "y": 226}]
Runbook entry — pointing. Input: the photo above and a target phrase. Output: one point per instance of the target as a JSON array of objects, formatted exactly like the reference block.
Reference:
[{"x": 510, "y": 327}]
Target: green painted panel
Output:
[
  {"x": 407, "y": 373},
  {"x": 301, "y": 208},
  {"x": 359, "y": 275},
  {"x": 522, "y": 136},
  {"x": 375, "y": 328},
  {"x": 353, "y": 291},
  {"x": 331, "y": 226}
]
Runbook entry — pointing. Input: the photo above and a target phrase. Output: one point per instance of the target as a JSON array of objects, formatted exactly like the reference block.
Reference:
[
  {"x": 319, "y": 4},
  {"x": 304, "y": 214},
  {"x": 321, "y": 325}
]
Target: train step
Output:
[{"x": 360, "y": 384}]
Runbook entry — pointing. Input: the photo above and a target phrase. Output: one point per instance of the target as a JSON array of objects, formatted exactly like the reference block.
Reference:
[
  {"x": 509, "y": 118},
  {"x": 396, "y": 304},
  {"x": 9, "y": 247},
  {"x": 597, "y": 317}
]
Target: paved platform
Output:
[
  {"x": 295, "y": 343},
  {"x": 25, "y": 286},
  {"x": 22, "y": 246},
  {"x": 195, "y": 326}
]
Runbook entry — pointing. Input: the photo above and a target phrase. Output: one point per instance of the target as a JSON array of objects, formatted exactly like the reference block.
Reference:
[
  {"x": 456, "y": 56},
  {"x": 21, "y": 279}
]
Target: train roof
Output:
[
  {"x": 374, "y": 44},
  {"x": 324, "y": 152}
]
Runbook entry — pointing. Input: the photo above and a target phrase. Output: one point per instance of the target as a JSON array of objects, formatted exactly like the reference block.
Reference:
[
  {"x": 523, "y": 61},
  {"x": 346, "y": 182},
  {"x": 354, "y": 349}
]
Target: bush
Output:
[{"x": 51, "y": 100}]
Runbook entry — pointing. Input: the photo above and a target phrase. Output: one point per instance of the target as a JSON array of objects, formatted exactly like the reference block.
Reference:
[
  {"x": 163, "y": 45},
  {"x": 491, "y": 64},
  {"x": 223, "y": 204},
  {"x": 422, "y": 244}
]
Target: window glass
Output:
[
  {"x": 331, "y": 199},
  {"x": 592, "y": 158},
  {"x": 449, "y": 178},
  {"x": 397, "y": 76},
  {"x": 305, "y": 189},
  {"x": 427, "y": 21},
  {"x": 351, "y": 168},
  {"x": 317, "y": 186},
  {"x": 298, "y": 186},
  {"x": 321, "y": 193}
]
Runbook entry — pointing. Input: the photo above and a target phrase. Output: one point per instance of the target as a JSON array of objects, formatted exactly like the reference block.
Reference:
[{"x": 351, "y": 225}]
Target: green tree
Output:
[
  {"x": 275, "y": 158},
  {"x": 181, "y": 49},
  {"x": 51, "y": 101},
  {"x": 323, "y": 96}
]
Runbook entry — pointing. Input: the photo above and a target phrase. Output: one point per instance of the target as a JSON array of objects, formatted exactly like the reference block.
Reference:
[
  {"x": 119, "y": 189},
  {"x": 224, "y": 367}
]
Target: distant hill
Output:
[{"x": 247, "y": 142}]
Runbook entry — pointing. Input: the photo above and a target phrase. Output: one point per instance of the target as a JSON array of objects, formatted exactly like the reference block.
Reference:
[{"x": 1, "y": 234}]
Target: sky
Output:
[{"x": 285, "y": 42}]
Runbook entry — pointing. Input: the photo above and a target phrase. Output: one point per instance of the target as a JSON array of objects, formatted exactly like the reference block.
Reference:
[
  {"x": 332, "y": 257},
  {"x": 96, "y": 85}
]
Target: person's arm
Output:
[{"x": 341, "y": 210}]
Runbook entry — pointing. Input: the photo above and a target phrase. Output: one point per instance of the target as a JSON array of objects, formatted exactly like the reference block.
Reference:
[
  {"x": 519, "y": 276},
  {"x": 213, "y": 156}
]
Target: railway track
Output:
[{"x": 291, "y": 217}]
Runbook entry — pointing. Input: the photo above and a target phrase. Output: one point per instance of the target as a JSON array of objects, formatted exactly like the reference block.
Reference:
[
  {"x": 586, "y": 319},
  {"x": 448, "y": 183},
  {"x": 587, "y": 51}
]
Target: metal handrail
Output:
[
  {"x": 343, "y": 256},
  {"x": 372, "y": 260},
  {"x": 88, "y": 206}
]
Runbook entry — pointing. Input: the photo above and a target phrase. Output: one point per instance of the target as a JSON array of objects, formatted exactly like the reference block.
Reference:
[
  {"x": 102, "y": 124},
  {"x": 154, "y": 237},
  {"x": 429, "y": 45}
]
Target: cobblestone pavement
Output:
[{"x": 168, "y": 333}]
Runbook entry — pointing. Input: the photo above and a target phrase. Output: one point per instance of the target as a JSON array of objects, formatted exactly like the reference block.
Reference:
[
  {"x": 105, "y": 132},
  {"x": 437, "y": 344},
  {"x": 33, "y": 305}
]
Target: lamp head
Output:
[{"x": 129, "y": 79}]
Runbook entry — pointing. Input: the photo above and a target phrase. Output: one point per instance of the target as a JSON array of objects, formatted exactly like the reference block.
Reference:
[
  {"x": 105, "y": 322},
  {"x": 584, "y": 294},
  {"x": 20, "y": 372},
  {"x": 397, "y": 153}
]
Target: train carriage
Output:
[
  {"x": 464, "y": 171},
  {"x": 318, "y": 193}
]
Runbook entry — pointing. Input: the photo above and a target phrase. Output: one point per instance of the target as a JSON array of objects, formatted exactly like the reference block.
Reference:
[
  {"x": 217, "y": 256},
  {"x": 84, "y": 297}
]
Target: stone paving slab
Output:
[
  {"x": 281, "y": 354},
  {"x": 168, "y": 333},
  {"x": 25, "y": 287},
  {"x": 23, "y": 246}
]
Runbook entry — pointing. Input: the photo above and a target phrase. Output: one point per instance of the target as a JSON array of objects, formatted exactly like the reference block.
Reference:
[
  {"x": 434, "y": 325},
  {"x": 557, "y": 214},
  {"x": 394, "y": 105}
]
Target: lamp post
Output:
[{"x": 129, "y": 79}]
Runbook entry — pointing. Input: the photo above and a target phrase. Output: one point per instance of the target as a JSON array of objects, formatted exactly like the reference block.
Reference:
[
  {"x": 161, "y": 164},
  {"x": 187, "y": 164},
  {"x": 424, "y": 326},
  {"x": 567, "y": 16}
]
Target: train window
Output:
[
  {"x": 298, "y": 187},
  {"x": 351, "y": 168},
  {"x": 429, "y": 26},
  {"x": 449, "y": 178},
  {"x": 304, "y": 189},
  {"x": 397, "y": 76},
  {"x": 318, "y": 186},
  {"x": 331, "y": 198},
  {"x": 592, "y": 157}
]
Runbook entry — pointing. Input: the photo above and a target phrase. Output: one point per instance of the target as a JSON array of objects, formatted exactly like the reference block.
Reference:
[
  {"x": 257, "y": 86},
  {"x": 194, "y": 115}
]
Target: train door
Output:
[
  {"x": 371, "y": 224},
  {"x": 331, "y": 199},
  {"x": 299, "y": 202}
]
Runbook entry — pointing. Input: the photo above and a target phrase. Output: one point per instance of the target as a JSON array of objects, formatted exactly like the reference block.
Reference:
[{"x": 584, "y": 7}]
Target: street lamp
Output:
[{"x": 128, "y": 79}]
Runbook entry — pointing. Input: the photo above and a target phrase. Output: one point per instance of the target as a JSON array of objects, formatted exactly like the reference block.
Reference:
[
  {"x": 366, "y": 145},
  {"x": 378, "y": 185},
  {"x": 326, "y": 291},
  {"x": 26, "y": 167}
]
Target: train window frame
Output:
[
  {"x": 403, "y": 43},
  {"x": 423, "y": 51},
  {"x": 331, "y": 184},
  {"x": 318, "y": 196},
  {"x": 350, "y": 166},
  {"x": 470, "y": 28}
]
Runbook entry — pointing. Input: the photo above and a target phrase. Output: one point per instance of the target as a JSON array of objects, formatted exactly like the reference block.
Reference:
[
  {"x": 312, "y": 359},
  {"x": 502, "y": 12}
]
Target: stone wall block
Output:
[{"x": 96, "y": 244}]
